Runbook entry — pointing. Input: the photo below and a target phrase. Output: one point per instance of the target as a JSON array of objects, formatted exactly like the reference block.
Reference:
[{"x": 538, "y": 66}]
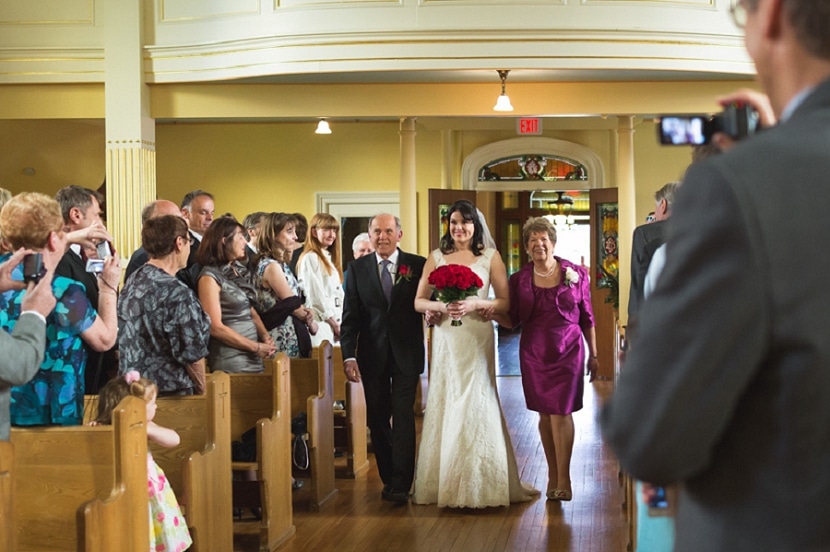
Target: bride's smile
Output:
[{"x": 461, "y": 230}]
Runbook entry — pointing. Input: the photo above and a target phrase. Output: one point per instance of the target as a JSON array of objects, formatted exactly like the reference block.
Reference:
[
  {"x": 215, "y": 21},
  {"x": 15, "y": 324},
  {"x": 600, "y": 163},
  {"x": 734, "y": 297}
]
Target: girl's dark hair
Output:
[
  {"x": 216, "y": 248},
  {"x": 469, "y": 214}
]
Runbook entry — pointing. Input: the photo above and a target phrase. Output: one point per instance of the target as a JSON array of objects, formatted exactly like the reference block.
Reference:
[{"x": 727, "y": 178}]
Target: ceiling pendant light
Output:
[
  {"x": 503, "y": 102},
  {"x": 323, "y": 127}
]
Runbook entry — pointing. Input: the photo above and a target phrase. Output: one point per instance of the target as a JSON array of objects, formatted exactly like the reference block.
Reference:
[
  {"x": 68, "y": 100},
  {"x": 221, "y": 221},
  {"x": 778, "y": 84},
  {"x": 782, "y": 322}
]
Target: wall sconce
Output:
[
  {"x": 323, "y": 127},
  {"x": 503, "y": 102}
]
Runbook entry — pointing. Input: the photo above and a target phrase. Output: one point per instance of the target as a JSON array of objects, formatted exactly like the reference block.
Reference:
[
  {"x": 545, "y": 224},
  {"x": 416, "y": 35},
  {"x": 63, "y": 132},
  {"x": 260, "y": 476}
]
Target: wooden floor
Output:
[{"x": 358, "y": 520}]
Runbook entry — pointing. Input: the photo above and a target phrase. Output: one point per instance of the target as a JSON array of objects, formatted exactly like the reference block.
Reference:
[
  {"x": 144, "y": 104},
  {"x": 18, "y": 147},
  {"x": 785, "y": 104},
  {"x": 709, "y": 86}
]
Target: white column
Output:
[
  {"x": 450, "y": 159},
  {"x": 627, "y": 203},
  {"x": 408, "y": 196},
  {"x": 130, "y": 132}
]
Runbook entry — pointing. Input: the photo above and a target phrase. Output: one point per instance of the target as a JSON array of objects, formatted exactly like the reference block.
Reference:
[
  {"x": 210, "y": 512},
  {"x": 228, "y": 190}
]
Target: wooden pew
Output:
[
  {"x": 312, "y": 392},
  {"x": 83, "y": 488},
  {"x": 263, "y": 401},
  {"x": 6, "y": 492},
  {"x": 353, "y": 422},
  {"x": 197, "y": 468}
]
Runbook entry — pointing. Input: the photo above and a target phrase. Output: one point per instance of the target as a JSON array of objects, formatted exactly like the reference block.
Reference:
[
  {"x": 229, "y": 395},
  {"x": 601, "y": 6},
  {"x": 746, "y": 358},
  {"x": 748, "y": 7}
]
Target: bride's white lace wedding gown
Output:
[{"x": 465, "y": 458}]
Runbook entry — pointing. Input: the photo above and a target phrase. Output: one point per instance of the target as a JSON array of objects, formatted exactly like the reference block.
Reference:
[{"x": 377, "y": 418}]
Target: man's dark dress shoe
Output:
[{"x": 392, "y": 495}]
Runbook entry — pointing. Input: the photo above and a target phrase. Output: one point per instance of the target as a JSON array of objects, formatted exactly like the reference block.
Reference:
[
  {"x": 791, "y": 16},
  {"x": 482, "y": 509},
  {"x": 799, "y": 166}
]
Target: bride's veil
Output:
[{"x": 486, "y": 236}]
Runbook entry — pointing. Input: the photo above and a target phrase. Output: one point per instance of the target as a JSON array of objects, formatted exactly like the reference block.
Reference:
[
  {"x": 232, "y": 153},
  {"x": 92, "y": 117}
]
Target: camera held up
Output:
[
  {"x": 736, "y": 121},
  {"x": 33, "y": 269}
]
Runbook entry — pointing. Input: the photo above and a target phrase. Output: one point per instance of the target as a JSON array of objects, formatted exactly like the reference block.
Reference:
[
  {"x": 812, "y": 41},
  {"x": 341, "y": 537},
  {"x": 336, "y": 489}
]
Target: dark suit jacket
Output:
[
  {"x": 138, "y": 259},
  {"x": 727, "y": 386},
  {"x": 372, "y": 330},
  {"x": 72, "y": 266},
  {"x": 99, "y": 365},
  {"x": 645, "y": 241}
]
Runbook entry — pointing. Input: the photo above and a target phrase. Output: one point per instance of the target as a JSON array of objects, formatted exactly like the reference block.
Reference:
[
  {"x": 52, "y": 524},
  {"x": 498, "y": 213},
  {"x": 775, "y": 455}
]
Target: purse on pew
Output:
[
  {"x": 299, "y": 446},
  {"x": 245, "y": 450}
]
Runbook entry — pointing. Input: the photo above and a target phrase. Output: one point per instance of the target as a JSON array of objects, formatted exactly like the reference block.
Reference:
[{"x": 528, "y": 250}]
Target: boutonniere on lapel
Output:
[
  {"x": 571, "y": 277},
  {"x": 404, "y": 273}
]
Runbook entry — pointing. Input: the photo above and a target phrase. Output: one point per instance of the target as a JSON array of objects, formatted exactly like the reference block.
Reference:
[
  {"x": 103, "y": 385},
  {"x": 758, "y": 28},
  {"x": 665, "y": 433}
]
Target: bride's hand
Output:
[{"x": 457, "y": 309}]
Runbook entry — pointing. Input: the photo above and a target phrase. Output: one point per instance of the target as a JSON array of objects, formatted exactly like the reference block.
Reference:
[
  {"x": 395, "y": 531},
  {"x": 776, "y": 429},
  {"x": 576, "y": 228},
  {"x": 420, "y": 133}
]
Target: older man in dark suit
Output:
[
  {"x": 382, "y": 338},
  {"x": 729, "y": 393}
]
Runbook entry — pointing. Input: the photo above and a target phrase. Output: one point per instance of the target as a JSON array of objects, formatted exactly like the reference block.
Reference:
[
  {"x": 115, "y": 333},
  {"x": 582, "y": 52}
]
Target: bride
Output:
[{"x": 465, "y": 458}]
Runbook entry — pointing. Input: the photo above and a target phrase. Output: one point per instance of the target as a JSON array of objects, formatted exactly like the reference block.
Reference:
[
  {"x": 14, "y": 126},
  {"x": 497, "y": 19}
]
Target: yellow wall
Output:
[
  {"x": 280, "y": 166},
  {"x": 61, "y": 152}
]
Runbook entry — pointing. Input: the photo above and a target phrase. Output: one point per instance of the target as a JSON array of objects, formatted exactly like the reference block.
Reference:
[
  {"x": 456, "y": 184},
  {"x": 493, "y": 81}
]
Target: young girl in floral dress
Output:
[{"x": 168, "y": 530}]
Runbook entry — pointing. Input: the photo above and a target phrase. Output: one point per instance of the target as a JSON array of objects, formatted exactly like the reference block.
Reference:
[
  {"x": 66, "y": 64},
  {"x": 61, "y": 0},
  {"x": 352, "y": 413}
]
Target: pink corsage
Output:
[{"x": 132, "y": 376}]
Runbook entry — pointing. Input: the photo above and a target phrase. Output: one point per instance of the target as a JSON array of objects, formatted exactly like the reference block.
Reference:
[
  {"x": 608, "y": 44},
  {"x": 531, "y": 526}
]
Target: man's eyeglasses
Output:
[{"x": 738, "y": 12}]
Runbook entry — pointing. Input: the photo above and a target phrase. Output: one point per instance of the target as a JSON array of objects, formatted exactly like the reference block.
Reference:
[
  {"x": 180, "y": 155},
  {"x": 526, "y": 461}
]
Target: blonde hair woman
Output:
[
  {"x": 55, "y": 396},
  {"x": 321, "y": 277}
]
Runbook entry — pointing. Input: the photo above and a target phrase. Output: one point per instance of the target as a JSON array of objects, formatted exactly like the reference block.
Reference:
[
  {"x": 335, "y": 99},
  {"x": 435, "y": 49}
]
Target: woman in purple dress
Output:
[{"x": 550, "y": 299}]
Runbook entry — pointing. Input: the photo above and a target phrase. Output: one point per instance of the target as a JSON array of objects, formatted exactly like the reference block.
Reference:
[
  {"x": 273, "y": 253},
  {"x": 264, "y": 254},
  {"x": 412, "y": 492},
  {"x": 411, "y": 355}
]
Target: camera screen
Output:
[
  {"x": 104, "y": 250},
  {"x": 96, "y": 266},
  {"x": 682, "y": 130}
]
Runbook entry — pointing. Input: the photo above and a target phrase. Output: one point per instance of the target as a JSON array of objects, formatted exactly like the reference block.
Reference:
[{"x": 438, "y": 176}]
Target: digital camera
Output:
[
  {"x": 33, "y": 269},
  {"x": 736, "y": 121}
]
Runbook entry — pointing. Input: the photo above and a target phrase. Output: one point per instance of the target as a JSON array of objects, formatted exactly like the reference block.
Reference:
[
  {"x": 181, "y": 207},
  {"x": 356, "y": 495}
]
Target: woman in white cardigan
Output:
[{"x": 321, "y": 277}]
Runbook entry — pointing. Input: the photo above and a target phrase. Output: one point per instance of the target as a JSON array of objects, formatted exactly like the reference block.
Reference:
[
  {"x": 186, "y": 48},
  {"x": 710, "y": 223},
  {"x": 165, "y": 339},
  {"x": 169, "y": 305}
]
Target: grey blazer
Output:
[
  {"x": 726, "y": 388},
  {"x": 21, "y": 354}
]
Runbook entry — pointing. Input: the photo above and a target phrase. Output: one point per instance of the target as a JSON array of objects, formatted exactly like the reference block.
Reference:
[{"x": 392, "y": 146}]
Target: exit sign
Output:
[{"x": 529, "y": 125}]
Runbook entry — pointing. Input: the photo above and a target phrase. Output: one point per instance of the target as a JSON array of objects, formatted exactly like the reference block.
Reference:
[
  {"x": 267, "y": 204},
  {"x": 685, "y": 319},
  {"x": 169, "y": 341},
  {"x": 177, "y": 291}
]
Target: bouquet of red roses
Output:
[{"x": 454, "y": 282}]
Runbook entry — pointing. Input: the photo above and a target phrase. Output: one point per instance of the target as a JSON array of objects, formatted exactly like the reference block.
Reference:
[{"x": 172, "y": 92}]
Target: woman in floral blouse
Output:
[
  {"x": 164, "y": 332},
  {"x": 278, "y": 287}
]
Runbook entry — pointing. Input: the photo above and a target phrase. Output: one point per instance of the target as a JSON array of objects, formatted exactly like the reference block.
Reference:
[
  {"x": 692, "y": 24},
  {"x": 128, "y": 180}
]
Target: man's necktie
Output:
[{"x": 386, "y": 279}]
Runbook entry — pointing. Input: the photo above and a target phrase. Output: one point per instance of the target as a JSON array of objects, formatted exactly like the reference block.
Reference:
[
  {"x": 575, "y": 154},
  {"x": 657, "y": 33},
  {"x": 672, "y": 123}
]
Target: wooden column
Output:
[
  {"x": 408, "y": 197},
  {"x": 130, "y": 131}
]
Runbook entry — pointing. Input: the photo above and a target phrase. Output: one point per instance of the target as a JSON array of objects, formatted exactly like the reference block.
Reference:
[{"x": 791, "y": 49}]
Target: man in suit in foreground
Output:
[
  {"x": 728, "y": 392},
  {"x": 21, "y": 353},
  {"x": 382, "y": 340}
]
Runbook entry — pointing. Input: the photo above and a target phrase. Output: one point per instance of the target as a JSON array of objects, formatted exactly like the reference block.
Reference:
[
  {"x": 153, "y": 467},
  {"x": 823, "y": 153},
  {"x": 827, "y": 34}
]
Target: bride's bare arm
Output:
[
  {"x": 491, "y": 307},
  {"x": 498, "y": 279},
  {"x": 423, "y": 303}
]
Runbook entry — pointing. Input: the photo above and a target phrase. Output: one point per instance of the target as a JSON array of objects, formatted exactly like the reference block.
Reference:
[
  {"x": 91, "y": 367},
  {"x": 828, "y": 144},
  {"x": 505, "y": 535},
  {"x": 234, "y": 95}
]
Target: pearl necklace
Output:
[{"x": 547, "y": 274}]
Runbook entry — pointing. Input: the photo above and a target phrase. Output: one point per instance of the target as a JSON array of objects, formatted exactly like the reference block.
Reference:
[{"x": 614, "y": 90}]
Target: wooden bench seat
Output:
[
  {"x": 80, "y": 488},
  {"x": 263, "y": 401},
  {"x": 312, "y": 392},
  {"x": 353, "y": 421},
  {"x": 197, "y": 468}
]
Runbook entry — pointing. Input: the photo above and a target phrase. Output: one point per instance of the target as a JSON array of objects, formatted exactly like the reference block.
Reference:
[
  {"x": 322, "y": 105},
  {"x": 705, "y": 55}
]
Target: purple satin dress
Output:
[{"x": 551, "y": 351}]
